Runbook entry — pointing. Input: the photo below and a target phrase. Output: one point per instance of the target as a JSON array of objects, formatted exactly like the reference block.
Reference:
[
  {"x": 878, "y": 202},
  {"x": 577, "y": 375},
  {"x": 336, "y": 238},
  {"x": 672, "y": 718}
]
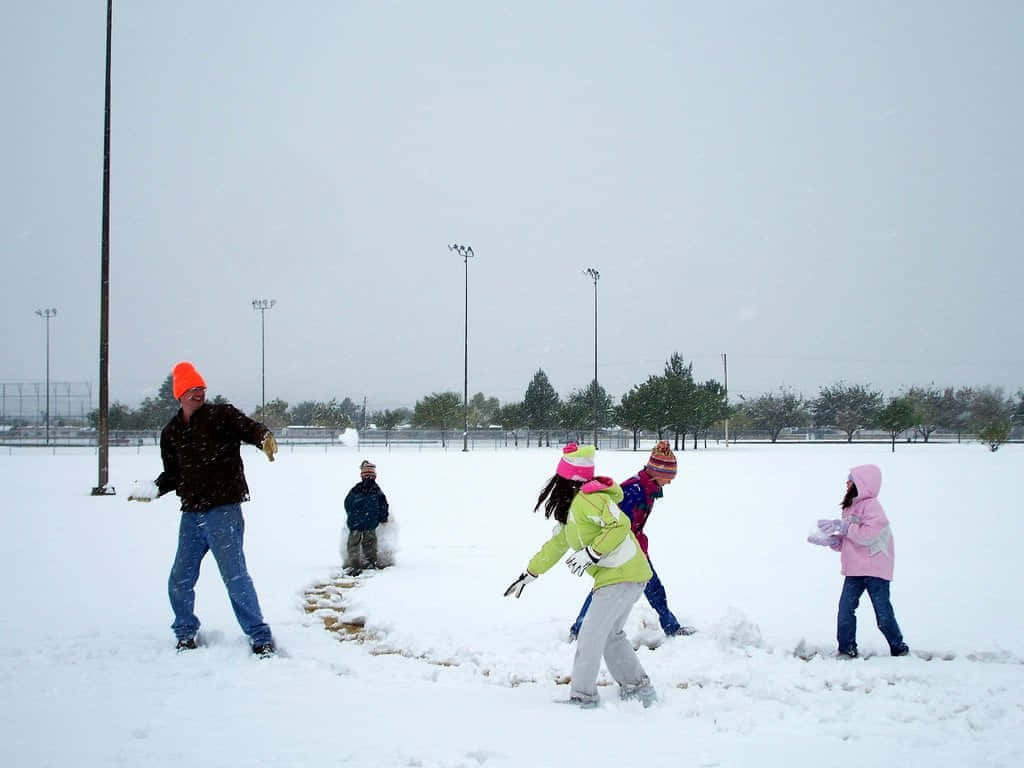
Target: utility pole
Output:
[
  {"x": 594, "y": 275},
  {"x": 725, "y": 373}
]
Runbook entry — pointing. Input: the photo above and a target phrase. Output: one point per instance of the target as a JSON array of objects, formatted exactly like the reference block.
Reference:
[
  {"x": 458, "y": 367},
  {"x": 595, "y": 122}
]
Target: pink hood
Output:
[{"x": 868, "y": 479}]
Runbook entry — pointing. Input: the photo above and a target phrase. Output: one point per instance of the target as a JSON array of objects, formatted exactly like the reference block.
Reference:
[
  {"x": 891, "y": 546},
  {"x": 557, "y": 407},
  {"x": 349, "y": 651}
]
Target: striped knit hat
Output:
[
  {"x": 577, "y": 462},
  {"x": 662, "y": 464},
  {"x": 367, "y": 469}
]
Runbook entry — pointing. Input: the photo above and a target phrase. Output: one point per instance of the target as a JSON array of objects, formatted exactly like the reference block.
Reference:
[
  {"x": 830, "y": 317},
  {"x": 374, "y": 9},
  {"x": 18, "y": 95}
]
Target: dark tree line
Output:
[{"x": 672, "y": 404}]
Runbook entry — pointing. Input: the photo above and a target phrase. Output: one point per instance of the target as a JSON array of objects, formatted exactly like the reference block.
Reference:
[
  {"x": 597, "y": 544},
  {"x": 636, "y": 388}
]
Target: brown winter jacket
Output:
[{"x": 201, "y": 459}]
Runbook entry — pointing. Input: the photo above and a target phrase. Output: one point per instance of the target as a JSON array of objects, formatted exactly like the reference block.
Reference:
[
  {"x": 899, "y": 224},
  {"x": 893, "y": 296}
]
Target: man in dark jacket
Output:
[
  {"x": 366, "y": 507},
  {"x": 202, "y": 463}
]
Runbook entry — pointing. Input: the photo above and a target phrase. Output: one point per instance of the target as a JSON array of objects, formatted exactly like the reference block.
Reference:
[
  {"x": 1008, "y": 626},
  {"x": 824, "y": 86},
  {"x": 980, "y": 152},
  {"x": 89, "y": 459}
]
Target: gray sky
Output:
[{"x": 822, "y": 191}]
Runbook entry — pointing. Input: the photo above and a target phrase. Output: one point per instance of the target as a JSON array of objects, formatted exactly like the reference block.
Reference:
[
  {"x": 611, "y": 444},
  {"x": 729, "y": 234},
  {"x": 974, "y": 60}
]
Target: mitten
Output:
[
  {"x": 516, "y": 587},
  {"x": 269, "y": 445},
  {"x": 833, "y": 540},
  {"x": 145, "y": 491},
  {"x": 579, "y": 561},
  {"x": 829, "y": 526}
]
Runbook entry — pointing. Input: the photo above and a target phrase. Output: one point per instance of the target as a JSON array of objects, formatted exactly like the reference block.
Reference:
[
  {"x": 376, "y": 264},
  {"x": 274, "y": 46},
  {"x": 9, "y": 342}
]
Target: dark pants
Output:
[
  {"x": 878, "y": 591},
  {"x": 219, "y": 530},
  {"x": 655, "y": 594},
  {"x": 361, "y": 549}
]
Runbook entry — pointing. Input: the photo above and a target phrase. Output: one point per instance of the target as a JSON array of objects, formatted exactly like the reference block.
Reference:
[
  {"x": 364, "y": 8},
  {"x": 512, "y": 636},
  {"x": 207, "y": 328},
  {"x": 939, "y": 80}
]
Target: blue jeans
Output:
[
  {"x": 878, "y": 591},
  {"x": 219, "y": 530},
  {"x": 655, "y": 594}
]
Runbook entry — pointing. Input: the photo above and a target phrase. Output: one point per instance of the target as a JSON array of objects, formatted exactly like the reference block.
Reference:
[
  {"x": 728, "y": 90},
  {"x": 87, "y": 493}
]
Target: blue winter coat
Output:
[{"x": 366, "y": 506}]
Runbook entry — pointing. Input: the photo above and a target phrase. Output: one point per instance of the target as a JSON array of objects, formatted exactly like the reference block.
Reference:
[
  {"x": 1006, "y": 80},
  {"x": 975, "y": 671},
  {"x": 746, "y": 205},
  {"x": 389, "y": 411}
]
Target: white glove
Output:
[
  {"x": 579, "y": 561},
  {"x": 516, "y": 587},
  {"x": 144, "y": 491}
]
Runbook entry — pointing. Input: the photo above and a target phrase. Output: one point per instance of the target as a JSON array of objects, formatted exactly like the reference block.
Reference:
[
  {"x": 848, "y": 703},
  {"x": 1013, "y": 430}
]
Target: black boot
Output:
[{"x": 263, "y": 650}]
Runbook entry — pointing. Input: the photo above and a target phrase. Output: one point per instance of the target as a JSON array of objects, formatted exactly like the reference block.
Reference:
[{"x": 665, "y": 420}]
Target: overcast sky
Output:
[{"x": 822, "y": 191}]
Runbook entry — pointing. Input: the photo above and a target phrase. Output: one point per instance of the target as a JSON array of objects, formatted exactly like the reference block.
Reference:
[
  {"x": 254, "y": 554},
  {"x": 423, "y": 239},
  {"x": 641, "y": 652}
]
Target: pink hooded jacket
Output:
[{"x": 867, "y": 548}]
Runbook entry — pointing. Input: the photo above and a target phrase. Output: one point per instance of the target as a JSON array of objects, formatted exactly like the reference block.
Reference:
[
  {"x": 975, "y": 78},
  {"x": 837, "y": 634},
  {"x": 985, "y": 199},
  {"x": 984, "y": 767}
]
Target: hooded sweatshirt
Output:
[
  {"x": 595, "y": 521},
  {"x": 867, "y": 549},
  {"x": 638, "y": 495}
]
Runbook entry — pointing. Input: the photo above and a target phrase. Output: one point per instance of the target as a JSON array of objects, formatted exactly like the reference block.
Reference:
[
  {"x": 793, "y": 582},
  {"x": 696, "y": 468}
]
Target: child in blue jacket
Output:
[
  {"x": 366, "y": 507},
  {"x": 639, "y": 495}
]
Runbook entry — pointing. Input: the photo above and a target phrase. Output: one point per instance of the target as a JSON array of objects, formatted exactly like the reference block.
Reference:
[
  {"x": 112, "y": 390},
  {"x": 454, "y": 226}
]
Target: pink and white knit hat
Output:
[{"x": 577, "y": 462}]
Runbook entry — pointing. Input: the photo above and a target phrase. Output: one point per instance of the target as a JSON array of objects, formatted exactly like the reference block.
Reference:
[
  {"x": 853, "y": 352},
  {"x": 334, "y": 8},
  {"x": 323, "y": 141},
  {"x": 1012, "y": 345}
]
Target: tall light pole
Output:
[
  {"x": 594, "y": 275},
  {"x": 47, "y": 314},
  {"x": 103, "y": 432},
  {"x": 261, "y": 306},
  {"x": 466, "y": 253}
]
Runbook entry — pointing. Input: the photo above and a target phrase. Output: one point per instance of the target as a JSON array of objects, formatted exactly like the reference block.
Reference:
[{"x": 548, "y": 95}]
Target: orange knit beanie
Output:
[{"x": 185, "y": 377}]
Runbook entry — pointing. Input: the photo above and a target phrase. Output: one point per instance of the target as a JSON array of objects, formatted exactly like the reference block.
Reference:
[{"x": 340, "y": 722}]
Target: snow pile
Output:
[{"x": 434, "y": 668}]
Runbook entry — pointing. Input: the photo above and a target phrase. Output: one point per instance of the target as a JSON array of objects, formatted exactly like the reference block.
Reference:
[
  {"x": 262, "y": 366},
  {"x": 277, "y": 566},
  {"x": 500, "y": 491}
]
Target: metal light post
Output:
[
  {"x": 594, "y": 275},
  {"x": 103, "y": 426},
  {"x": 261, "y": 306},
  {"x": 466, "y": 253},
  {"x": 47, "y": 314}
]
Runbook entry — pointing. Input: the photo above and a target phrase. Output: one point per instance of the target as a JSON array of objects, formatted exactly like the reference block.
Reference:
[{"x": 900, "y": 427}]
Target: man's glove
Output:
[
  {"x": 269, "y": 445},
  {"x": 516, "y": 587},
  {"x": 146, "y": 491},
  {"x": 578, "y": 561}
]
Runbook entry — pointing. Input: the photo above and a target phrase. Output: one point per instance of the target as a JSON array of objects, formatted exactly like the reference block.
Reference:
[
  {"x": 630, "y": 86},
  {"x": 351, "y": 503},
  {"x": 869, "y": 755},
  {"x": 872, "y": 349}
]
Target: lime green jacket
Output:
[{"x": 596, "y": 521}]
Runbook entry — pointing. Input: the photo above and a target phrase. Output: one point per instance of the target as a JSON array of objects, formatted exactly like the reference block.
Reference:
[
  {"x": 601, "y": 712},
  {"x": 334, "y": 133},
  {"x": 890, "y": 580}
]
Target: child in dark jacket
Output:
[{"x": 366, "y": 507}]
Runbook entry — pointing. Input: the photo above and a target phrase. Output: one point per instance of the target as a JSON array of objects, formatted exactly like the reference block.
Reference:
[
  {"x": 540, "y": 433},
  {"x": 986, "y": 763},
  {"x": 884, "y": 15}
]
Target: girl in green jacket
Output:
[{"x": 603, "y": 546}]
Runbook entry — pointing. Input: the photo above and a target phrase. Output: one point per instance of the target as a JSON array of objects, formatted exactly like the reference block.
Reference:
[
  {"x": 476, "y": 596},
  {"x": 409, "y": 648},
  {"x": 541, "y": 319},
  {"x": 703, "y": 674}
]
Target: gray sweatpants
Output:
[{"x": 601, "y": 634}]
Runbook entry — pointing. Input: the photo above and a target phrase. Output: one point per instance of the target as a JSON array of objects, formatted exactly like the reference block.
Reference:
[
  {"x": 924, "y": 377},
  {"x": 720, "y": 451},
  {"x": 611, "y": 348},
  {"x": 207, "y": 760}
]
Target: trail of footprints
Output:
[{"x": 326, "y": 601}]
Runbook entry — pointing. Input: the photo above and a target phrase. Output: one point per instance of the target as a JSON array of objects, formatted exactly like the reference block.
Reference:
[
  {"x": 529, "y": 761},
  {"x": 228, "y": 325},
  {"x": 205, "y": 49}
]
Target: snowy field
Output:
[{"x": 449, "y": 674}]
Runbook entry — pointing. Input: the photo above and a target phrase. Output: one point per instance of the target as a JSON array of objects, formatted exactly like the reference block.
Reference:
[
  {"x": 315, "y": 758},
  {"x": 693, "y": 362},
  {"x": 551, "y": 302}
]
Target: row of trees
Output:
[
  {"x": 985, "y": 411},
  {"x": 155, "y": 412},
  {"x": 671, "y": 404}
]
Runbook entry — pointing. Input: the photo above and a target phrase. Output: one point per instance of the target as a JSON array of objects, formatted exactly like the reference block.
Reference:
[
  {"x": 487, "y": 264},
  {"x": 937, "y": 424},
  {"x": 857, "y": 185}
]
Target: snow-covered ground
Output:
[{"x": 448, "y": 673}]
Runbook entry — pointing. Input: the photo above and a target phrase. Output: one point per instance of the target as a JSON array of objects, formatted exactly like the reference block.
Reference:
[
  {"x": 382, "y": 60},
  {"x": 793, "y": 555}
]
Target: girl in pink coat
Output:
[{"x": 864, "y": 539}]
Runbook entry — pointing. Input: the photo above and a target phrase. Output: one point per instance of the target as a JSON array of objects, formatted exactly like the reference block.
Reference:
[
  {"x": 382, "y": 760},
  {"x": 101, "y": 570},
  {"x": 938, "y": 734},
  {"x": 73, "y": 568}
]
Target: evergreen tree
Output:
[
  {"x": 482, "y": 410},
  {"x": 440, "y": 410},
  {"x": 540, "y": 407},
  {"x": 636, "y": 411},
  {"x": 510, "y": 417},
  {"x": 301, "y": 414},
  {"x": 679, "y": 397},
  {"x": 710, "y": 408},
  {"x": 274, "y": 416}
]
